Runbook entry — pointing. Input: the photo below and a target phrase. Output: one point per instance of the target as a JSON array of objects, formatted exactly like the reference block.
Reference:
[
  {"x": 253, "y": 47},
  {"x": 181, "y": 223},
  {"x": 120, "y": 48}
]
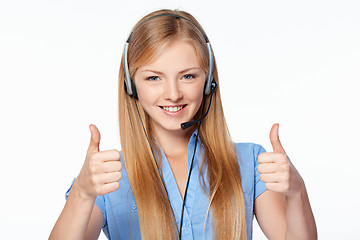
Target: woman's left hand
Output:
[{"x": 276, "y": 169}]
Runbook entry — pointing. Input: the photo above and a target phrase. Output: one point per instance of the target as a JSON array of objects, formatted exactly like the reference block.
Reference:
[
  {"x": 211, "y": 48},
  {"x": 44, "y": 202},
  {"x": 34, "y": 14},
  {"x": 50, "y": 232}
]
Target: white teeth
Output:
[{"x": 173, "y": 109}]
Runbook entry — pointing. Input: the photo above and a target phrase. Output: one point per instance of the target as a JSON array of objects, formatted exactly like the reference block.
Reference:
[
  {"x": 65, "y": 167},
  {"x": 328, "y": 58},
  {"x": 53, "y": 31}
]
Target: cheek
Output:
[
  {"x": 148, "y": 98},
  {"x": 195, "y": 93},
  {"x": 145, "y": 100},
  {"x": 197, "y": 97},
  {"x": 143, "y": 91}
]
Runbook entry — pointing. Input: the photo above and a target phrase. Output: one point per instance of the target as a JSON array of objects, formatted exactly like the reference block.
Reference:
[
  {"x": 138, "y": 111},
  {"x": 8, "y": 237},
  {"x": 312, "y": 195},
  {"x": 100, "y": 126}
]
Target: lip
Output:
[{"x": 173, "y": 113}]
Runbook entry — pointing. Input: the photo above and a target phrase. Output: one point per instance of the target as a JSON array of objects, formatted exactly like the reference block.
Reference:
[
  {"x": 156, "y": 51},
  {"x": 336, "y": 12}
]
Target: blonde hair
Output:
[{"x": 226, "y": 197}]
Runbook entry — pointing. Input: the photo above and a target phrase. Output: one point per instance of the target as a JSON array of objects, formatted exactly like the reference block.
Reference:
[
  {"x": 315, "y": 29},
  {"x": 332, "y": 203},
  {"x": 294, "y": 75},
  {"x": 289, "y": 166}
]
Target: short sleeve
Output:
[
  {"x": 100, "y": 203},
  {"x": 68, "y": 191},
  {"x": 259, "y": 186}
]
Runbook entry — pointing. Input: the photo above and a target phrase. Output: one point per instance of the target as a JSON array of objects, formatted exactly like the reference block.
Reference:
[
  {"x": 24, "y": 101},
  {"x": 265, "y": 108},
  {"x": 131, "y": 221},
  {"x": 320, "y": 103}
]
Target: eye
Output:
[
  {"x": 152, "y": 78},
  {"x": 189, "y": 76}
]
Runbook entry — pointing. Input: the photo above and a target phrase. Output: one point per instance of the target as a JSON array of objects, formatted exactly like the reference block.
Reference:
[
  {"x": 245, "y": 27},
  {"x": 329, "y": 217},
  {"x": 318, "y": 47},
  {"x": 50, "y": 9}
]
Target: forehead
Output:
[{"x": 177, "y": 55}]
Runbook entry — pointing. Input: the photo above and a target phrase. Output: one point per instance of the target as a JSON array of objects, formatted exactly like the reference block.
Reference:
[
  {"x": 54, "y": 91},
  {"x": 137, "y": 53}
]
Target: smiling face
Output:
[{"x": 170, "y": 88}]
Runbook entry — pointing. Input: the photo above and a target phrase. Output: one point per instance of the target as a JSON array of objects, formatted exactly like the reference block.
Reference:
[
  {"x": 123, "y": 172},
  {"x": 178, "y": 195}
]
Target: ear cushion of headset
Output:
[{"x": 133, "y": 88}]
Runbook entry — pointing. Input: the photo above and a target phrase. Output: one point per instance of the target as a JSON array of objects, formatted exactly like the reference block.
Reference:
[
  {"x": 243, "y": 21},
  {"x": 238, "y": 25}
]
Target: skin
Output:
[
  {"x": 100, "y": 174},
  {"x": 283, "y": 211},
  {"x": 175, "y": 78}
]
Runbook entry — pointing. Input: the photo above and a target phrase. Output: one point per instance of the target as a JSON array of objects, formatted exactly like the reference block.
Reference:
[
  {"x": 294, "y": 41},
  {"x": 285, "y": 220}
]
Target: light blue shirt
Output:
[{"x": 120, "y": 210}]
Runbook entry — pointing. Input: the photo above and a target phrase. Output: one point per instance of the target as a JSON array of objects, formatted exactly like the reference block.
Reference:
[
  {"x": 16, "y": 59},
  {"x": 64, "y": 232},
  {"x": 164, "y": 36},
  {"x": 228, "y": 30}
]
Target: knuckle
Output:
[
  {"x": 93, "y": 180},
  {"x": 93, "y": 160},
  {"x": 118, "y": 166},
  {"x": 94, "y": 157},
  {"x": 118, "y": 155},
  {"x": 116, "y": 186},
  {"x": 284, "y": 178},
  {"x": 111, "y": 187},
  {"x": 282, "y": 158},
  {"x": 262, "y": 177},
  {"x": 118, "y": 176},
  {"x": 92, "y": 168},
  {"x": 90, "y": 158},
  {"x": 286, "y": 187},
  {"x": 285, "y": 167},
  {"x": 261, "y": 157},
  {"x": 115, "y": 153},
  {"x": 97, "y": 190},
  {"x": 287, "y": 176}
]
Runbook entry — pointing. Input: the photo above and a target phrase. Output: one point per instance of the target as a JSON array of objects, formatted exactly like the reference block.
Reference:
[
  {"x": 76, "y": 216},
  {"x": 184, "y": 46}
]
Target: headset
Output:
[
  {"x": 129, "y": 83},
  {"x": 210, "y": 87}
]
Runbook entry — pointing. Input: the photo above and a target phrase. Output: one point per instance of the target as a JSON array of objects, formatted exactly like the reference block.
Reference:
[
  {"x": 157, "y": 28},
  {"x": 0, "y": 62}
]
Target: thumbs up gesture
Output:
[
  {"x": 276, "y": 169},
  {"x": 100, "y": 173}
]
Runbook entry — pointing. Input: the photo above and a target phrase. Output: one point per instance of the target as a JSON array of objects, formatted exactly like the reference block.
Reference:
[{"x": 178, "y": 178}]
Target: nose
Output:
[{"x": 172, "y": 91}]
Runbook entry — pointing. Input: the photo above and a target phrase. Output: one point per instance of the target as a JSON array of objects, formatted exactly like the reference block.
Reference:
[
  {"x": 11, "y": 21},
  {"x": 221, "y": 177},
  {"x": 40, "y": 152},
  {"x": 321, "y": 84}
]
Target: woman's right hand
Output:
[{"x": 100, "y": 173}]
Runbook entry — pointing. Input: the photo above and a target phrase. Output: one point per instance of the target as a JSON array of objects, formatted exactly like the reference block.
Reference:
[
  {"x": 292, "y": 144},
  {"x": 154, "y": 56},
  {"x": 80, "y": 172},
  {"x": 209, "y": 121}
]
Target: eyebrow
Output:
[{"x": 161, "y": 73}]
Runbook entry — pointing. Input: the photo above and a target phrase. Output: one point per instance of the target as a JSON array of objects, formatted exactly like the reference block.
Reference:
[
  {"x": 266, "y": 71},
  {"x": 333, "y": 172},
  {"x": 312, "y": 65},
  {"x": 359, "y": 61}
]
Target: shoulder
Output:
[
  {"x": 248, "y": 152},
  {"x": 247, "y": 155}
]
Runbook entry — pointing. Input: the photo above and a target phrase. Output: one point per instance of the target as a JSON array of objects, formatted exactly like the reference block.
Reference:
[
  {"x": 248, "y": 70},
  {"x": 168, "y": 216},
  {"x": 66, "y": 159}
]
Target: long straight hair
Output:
[{"x": 227, "y": 207}]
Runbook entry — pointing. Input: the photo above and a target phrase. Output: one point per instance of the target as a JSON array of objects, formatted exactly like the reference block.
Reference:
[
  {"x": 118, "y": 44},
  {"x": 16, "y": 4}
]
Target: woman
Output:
[{"x": 179, "y": 175}]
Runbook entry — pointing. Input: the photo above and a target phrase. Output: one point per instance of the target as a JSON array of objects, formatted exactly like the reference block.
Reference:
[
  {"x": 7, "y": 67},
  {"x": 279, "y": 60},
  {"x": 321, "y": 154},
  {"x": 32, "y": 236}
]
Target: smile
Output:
[{"x": 173, "y": 109}]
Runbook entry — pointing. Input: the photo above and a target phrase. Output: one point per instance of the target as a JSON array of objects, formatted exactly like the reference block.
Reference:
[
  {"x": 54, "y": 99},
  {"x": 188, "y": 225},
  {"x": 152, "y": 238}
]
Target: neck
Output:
[{"x": 173, "y": 143}]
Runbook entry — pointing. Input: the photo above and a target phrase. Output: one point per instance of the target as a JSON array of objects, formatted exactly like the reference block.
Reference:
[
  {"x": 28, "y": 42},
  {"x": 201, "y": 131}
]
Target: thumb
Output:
[
  {"x": 274, "y": 139},
  {"x": 95, "y": 139}
]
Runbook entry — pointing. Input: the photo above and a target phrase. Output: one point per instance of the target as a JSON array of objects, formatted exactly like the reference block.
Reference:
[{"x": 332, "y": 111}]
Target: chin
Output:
[
  {"x": 170, "y": 127},
  {"x": 174, "y": 125}
]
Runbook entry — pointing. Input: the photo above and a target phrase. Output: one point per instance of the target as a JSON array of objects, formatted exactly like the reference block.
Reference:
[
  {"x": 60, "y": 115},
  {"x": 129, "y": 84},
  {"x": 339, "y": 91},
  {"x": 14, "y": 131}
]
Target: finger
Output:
[
  {"x": 110, "y": 177},
  {"x": 270, "y": 178},
  {"x": 108, "y": 188},
  {"x": 95, "y": 139},
  {"x": 109, "y": 155},
  {"x": 274, "y": 139},
  {"x": 276, "y": 187},
  {"x": 111, "y": 166},
  {"x": 270, "y": 157},
  {"x": 267, "y": 168}
]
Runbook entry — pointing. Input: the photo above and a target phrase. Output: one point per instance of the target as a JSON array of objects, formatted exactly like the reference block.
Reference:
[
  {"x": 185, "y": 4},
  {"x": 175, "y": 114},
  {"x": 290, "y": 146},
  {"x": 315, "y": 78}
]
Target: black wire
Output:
[{"x": 191, "y": 166}]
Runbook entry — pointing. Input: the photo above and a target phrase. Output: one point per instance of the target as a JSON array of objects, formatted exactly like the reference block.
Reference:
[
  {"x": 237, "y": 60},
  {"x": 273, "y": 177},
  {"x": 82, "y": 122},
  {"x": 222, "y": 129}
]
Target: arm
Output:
[
  {"x": 283, "y": 211},
  {"x": 80, "y": 218},
  {"x": 100, "y": 174},
  {"x": 270, "y": 213},
  {"x": 280, "y": 217},
  {"x": 300, "y": 220}
]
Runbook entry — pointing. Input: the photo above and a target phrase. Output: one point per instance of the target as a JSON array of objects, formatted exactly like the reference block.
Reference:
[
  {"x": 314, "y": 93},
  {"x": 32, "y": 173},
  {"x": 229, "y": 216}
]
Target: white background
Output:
[{"x": 296, "y": 63}]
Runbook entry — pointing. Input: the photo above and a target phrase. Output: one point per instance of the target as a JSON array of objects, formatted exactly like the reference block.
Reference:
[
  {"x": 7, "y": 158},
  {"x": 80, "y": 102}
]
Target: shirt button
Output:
[
  {"x": 134, "y": 207},
  {"x": 186, "y": 224}
]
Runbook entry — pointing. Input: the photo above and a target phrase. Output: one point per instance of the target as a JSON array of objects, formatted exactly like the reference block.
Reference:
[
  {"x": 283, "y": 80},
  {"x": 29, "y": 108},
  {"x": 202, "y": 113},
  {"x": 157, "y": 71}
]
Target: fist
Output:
[
  {"x": 100, "y": 173},
  {"x": 276, "y": 169}
]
